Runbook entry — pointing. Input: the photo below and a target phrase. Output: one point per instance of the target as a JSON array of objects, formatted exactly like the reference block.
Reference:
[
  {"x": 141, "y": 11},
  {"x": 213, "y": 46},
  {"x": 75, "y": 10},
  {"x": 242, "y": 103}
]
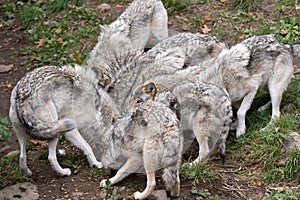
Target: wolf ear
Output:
[{"x": 151, "y": 89}]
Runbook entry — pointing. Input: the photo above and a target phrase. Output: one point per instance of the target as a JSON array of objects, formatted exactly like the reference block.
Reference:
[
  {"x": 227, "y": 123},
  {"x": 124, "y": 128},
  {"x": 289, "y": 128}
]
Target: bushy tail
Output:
[
  {"x": 171, "y": 179},
  {"x": 53, "y": 129},
  {"x": 296, "y": 49}
]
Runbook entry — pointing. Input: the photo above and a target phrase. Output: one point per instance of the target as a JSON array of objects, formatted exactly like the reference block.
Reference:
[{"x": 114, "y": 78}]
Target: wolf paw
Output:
[
  {"x": 64, "y": 172},
  {"x": 138, "y": 195},
  {"x": 97, "y": 164},
  {"x": 103, "y": 183},
  {"x": 240, "y": 132},
  {"x": 26, "y": 171}
]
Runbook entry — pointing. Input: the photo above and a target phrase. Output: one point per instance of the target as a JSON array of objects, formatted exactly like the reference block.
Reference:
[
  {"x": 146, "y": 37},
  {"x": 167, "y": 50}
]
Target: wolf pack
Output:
[{"x": 131, "y": 110}]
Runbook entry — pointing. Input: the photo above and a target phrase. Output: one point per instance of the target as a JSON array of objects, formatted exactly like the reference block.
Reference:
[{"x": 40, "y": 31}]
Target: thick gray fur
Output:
[
  {"x": 212, "y": 71},
  {"x": 150, "y": 137},
  {"x": 52, "y": 100},
  {"x": 168, "y": 56},
  {"x": 196, "y": 46},
  {"x": 204, "y": 108},
  {"x": 126, "y": 36}
]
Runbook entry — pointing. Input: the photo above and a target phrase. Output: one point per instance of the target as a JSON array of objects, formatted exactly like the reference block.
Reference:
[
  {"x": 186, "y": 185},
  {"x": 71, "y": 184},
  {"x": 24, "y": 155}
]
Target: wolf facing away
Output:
[
  {"x": 150, "y": 137},
  {"x": 271, "y": 66},
  {"x": 204, "y": 108},
  {"x": 126, "y": 36},
  {"x": 52, "y": 100}
]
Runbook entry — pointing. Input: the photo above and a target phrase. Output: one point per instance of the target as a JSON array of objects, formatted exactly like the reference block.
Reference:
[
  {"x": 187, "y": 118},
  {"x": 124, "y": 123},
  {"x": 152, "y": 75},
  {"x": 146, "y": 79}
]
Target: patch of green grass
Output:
[
  {"x": 200, "y": 171},
  {"x": 30, "y": 15},
  {"x": 74, "y": 161},
  {"x": 4, "y": 129},
  {"x": 244, "y": 4},
  {"x": 287, "y": 30},
  {"x": 283, "y": 194},
  {"x": 177, "y": 5},
  {"x": 291, "y": 95},
  {"x": 65, "y": 41},
  {"x": 265, "y": 147},
  {"x": 10, "y": 173},
  {"x": 283, "y": 5},
  {"x": 59, "y": 5}
]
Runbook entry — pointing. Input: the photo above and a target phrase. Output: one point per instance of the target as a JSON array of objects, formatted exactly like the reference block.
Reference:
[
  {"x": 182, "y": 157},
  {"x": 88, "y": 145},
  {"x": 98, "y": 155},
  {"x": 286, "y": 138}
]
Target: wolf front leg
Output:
[
  {"x": 150, "y": 186},
  {"x": 132, "y": 165},
  {"x": 53, "y": 159}
]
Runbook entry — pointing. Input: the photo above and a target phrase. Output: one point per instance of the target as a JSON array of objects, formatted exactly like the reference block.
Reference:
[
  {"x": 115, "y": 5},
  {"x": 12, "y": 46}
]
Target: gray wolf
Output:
[
  {"x": 270, "y": 66},
  {"x": 218, "y": 71},
  {"x": 257, "y": 62},
  {"x": 127, "y": 35},
  {"x": 52, "y": 100},
  {"x": 167, "y": 56},
  {"x": 204, "y": 108},
  {"x": 149, "y": 136}
]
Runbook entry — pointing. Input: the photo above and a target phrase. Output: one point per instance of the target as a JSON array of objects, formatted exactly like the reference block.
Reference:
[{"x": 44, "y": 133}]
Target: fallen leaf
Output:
[
  {"x": 257, "y": 183},
  {"x": 283, "y": 31},
  {"x": 78, "y": 58},
  {"x": 59, "y": 40},
  {"x": 38, "y": 142},
  {"x": 58, "y": 30},
  {"x": 205, "y": 29},
  {"x": 206, "y": 19},
  {"x": 241, "y": 37},
  {"x": 297, "y": 7},
  {"x": 40, "y": 43},
  {"x": 6, "y": 68}
]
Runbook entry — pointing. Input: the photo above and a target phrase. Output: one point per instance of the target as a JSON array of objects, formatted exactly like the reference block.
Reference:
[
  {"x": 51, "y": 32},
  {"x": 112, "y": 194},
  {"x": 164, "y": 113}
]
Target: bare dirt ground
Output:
[{"x": 234, "y": 180}]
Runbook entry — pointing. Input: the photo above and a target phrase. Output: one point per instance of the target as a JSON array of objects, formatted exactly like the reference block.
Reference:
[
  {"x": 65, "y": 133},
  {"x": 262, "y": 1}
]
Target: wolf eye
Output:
[{"x": 139, "y": 100}]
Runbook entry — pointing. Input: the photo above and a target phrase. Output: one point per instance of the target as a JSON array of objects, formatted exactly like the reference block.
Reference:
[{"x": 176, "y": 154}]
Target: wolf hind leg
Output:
[
  {"x": 22, "y": 138},
  {"x": 52, "y": 144},
  {"x": 201, "y": 132},
  {"x": 77, "y": 140},
  {"x": 241, "y": 114},
  {"x": 278, "y": 83}
]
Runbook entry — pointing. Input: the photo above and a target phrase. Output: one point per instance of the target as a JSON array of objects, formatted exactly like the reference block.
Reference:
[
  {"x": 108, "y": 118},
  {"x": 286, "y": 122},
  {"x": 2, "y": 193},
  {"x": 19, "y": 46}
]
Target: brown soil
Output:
[{"x": 234, "y": 181}]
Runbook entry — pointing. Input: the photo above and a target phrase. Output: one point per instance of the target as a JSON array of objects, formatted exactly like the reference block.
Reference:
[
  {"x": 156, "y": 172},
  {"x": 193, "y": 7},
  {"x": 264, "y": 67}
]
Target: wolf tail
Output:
[
  {"x": 171, "y": 179},
  {"x": 296, "y": 49},
  {"x": 48, "y": 131}
]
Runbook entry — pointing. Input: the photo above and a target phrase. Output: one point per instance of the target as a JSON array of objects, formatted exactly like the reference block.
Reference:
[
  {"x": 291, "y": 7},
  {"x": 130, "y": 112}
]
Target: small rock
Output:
[
  {"x": 158, "y": 195},
  {"x": 13, "y": 153},
  {"x": 292, "y": 142},
  {"x": 104, "y": 7},
  {"x": 6, "y": 68},
  {"x": 24, "y": 190},
  {"x": 77, "y": 195},
  {"x": 102, "y": 193}
]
